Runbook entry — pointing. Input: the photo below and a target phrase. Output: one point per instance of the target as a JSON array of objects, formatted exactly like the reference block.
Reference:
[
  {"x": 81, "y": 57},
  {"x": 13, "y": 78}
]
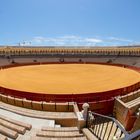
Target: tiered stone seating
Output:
[
  {"x": 2, "y": 137},
  {"x": 14, "y": 127},
  {"x": 125, "y": 108},
  {"x": 37, "y": 105},
  {"x": 45, "y": 138},
  {"x": 64, "y": 118},
  {"x": 131, "y": 96},
  {"x": 18, "y": 123},
  {"x": 59, "y": 129},
  {"x": 60, "y": 133},
  {"x": 11, "y": 128},
  {"x": 134, "y": 102},
  {"x": 4, "y": 61},
  {"x": 8, "y": 132},
  {"x": 134, "y": 51},
  {"x": 126, "y": 60}
]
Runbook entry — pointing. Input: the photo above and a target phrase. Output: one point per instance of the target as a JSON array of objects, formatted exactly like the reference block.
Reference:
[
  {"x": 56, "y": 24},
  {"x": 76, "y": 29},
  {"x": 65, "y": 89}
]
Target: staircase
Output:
[{"x": 108, "y": 128}]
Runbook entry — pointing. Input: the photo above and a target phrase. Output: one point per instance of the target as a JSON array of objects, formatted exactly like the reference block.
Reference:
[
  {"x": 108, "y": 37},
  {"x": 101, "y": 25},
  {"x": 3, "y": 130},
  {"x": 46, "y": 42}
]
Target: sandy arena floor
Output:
[{"x": 67, "y": 78}]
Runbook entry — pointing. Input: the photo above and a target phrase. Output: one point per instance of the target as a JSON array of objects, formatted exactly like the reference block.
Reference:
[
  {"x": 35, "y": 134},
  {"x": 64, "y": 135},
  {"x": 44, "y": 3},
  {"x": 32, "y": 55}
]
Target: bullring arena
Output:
[
  {"x": 66, "y": 80},
  {"x": 53, "y": 83}
]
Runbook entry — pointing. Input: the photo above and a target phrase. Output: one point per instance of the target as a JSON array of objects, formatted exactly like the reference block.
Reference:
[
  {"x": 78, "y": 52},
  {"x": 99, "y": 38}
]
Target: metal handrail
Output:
[
  {"x": 133, "y": 136},
  {"x": 97, "y": 130},
  {"x": 114, "y": 120},
  {"x": 102, "y": 131}
]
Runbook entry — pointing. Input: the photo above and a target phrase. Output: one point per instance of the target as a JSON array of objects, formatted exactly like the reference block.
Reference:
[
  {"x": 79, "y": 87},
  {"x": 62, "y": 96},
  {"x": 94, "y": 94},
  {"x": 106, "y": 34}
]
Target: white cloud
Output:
[
  {"x": 94, "y": 40},
  {"x": 66, "y": 40},
  {"x": 119, "y": 39},
  {"x": 70, "y": 37},
  {"x": 72, "y": 40},
  {"x": 39, "y": 39}
]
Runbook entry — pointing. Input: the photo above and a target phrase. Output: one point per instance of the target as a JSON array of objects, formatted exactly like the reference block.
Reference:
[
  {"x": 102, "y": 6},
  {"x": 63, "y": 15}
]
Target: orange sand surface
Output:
[{"x": 67, "y": 78}]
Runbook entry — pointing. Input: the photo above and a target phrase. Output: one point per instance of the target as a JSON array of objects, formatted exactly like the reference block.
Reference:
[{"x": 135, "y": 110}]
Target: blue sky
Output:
[{"x": 70, "y": 22}]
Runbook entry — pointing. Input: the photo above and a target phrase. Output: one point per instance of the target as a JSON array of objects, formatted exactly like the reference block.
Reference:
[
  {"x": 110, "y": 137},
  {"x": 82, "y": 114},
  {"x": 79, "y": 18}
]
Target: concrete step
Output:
[
  {"x": 60, "y": 129},
  {"x": 51, "y": 134},
  {"x": 45, "y": 138}
]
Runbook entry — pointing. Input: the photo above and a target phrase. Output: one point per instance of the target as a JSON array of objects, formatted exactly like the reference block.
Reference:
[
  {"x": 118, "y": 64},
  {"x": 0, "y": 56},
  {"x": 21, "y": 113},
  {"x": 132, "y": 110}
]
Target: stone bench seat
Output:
[
  {"x": 2, "y": 137},
  {"x": 8, "y": 132},
  {"x": 58, "y": 134},
  {"x": 38, "y": 114},
  {"x": 61, "y": 129},
  {"x": 133, "y": 102},
  {"x": 18, "y": 123},
  {"x": 63, "y": 118},
  {"x": 12, "y": 126},
  {"x": 37, "y": 105},
  {"x": 46, "y": 138}
]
